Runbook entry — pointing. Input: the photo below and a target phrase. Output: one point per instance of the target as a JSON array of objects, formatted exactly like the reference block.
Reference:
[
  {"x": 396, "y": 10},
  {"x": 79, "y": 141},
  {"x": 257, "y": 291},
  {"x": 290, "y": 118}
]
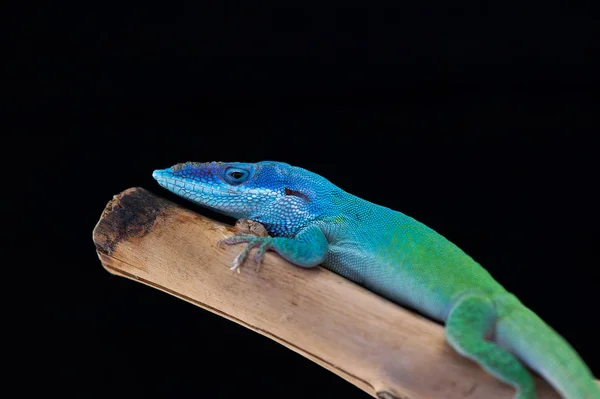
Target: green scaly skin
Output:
[{"x": 312, "y": 222}]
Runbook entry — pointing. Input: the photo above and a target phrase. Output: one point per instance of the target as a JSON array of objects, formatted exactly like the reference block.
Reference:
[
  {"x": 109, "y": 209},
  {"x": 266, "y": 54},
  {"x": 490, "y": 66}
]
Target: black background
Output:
[{"x": 478, "y": 120}]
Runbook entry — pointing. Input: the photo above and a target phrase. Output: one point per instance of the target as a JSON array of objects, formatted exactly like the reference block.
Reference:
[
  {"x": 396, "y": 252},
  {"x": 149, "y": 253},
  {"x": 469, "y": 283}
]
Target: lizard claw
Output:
[
  {"x": 263, "y": 243},
  {"x": 239, "y": 260}
]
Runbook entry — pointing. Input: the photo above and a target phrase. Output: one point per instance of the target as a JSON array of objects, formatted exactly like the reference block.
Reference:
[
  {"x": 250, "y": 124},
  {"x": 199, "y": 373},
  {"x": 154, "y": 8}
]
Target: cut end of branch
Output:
[{"x": 129, "y": 215}]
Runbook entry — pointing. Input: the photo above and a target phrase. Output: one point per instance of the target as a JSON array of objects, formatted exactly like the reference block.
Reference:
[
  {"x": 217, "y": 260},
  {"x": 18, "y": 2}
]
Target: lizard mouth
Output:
[{"x": 188, "y": 188}]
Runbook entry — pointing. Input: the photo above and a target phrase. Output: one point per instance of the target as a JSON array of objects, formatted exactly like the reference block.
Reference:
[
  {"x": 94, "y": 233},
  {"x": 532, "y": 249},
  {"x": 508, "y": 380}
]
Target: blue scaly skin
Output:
[{"x": 312, "y": 222}]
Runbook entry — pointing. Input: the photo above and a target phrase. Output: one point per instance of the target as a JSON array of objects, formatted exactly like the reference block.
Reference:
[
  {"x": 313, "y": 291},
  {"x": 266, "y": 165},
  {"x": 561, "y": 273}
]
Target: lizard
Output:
[{"x": 310, "y": 221}]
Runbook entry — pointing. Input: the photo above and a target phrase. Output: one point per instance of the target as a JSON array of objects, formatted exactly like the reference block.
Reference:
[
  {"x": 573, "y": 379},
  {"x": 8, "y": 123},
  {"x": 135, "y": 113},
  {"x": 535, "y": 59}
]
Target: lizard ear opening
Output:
[{"x": 289, "y": 191}]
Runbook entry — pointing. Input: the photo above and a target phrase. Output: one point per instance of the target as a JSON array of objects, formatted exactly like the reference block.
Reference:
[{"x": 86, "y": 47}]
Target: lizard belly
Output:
[
  {"x": 400, "y": 283},
  {"x": 404, "y": 261}
]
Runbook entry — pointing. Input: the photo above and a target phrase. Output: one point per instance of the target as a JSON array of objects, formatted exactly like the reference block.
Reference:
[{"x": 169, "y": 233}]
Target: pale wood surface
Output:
[{"x": 386, "y": 350}]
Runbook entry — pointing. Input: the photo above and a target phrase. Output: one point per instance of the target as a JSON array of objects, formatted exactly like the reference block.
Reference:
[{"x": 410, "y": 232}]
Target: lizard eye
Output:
[{"x": 236, "y": 176}]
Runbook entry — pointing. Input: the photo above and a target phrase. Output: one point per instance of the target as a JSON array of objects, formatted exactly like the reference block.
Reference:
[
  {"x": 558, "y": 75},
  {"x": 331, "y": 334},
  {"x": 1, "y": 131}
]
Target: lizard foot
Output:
[{"x": 262, "y": 243}]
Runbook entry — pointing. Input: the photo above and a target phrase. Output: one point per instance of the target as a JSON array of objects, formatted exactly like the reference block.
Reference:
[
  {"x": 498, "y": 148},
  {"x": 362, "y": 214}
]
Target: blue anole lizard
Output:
[{"x": 311, "y": 221}]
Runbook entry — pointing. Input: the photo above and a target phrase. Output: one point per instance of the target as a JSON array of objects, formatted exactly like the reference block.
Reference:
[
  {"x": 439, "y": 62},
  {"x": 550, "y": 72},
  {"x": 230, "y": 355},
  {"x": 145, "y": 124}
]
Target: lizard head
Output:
[{"x": 280, "y": 196}]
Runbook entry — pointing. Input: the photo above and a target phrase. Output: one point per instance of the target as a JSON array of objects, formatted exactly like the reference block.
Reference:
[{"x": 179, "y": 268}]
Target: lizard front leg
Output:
[{"x": 306, "y": 249}]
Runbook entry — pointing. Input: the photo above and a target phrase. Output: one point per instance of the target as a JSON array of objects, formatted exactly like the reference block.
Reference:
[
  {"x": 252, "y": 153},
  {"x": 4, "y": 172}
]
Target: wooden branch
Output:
[{"x": 386, "y": 350}]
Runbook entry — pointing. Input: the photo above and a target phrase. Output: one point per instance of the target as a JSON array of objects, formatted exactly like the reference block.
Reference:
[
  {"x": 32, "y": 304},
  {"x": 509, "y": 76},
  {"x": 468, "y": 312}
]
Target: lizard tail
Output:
[{"x": 524, "y": 333}]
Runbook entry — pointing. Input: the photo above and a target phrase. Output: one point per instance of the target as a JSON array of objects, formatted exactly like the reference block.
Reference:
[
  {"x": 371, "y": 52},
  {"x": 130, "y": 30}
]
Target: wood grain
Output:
[{"x": 382, "y": 348}]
